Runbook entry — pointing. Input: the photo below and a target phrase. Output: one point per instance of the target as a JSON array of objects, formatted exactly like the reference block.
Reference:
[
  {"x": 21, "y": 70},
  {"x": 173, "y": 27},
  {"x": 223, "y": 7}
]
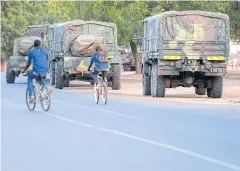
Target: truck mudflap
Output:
[{"x": 18, "y": 63}]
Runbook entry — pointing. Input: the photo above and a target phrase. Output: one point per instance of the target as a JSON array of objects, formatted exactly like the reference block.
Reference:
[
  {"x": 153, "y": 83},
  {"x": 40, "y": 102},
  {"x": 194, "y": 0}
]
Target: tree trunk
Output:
[
  {"x": 136, "y": 56},
  {"x": 3, "y": 65}
]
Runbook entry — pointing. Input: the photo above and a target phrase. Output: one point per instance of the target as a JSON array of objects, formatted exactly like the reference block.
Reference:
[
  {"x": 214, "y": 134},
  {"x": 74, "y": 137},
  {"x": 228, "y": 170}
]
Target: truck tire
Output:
[
  {"x": 52, "y": 73},
  {"x": 66, "y": 82},
  {"x": 209, "y": 92},
  {"x": 146, "y": 84},
  {"x": 157, "y": 83},
  {"x": 10, "y": 76},
  {"x": 116, "y": 78},
  {"x": 217, "y": 87},
  {"x": 200, "y": 91},
  {"x": 126, "y": 68},
  {"x": 92, "y": 82},
  {"x": 109, "y": 84},
  {"x": 59, "y": 77}
]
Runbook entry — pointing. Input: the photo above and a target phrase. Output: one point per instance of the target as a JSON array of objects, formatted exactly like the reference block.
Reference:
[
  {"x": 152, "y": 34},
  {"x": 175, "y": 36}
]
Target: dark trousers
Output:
[{"x": 95, "y": 78}]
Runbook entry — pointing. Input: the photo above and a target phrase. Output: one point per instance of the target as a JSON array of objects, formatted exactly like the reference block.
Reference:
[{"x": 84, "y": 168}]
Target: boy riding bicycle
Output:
[
  {"x": 100, "y": 59},
  {"x": 39, "y": 56}
]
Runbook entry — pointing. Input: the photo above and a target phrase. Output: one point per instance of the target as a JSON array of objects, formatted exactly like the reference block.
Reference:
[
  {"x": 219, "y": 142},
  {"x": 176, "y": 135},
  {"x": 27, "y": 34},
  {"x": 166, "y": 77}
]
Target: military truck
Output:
[
  {"x": 71, "y": 45},
  {"x": 126, "y": 57},
  {"x": 17, "y": 62},
  {"x": 184, "y": 48},
  {"x": 21, "y": 46}
]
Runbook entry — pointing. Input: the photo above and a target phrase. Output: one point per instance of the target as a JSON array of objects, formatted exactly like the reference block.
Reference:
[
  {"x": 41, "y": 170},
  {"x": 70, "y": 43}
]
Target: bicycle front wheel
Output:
[
  {"x": 96, "y": 94},
  {"x": 45, "y": 99},
  {"x": 104, "y": 93},
  {"x": 31, "y": 106}
]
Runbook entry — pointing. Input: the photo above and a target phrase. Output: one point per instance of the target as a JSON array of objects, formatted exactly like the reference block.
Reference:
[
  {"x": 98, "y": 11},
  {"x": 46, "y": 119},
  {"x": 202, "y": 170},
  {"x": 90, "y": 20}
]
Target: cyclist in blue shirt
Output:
[
  {"x": 39, "y": 56},
  {"x": 100, "y": 59}
]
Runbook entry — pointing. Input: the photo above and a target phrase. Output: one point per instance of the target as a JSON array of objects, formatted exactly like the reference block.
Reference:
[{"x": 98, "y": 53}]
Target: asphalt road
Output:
[{"x": 76, "y": 134}]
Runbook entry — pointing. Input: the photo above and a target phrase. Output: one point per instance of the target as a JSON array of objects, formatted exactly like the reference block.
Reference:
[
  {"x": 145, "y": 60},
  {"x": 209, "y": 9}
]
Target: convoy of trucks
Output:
[{"x": 179, "y": 48}]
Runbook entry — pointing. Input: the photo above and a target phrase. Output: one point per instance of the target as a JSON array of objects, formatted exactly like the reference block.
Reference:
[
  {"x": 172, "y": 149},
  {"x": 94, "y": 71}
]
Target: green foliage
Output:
[{"x": 17, "y": 15}]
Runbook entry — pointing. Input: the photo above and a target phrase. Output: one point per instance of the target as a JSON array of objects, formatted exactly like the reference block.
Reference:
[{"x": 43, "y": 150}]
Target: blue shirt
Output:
[
  {"x": 39, "y": 56},
  {"x": 98, "y": 65}
]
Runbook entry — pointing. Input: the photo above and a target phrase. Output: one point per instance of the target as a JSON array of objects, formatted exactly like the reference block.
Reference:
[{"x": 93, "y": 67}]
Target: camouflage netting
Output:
[
  {"x": 183, "y": 33},
  {"x": 23, "y": 44},
  {"x": 85, "y": 44}
]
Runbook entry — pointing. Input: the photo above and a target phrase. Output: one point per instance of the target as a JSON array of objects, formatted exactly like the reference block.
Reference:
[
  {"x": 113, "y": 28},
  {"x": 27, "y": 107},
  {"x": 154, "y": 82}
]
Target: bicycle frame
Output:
[
  {"x": 37, "y": 86},
  {"x": 101, "y": 80},
  {"x": 102, "y": 89}
]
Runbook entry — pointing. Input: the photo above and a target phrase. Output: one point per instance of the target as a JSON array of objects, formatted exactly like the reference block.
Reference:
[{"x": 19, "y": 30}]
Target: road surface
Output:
[{"x": 77, "y": 134}]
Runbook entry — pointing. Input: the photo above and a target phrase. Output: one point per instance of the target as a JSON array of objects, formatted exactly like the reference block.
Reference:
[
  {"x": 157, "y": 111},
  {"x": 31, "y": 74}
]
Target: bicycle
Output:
[
  {"x": 102, "y": 89},
  {"x": 38, "y": 93}
]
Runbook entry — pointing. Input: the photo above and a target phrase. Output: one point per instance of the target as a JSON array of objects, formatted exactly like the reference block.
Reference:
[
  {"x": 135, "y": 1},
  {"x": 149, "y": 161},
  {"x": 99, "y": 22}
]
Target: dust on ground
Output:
[{"x": 132, "y": 89}]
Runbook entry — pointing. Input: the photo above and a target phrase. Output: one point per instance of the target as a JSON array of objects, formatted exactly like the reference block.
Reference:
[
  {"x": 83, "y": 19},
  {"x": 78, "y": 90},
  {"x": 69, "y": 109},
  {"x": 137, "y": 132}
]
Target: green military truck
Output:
[
  {"x": 17, "y": 62},
  {"x": 71, "y": 45},
  {"x": 21, "y": 47},
  {"x": 185, "y": 48}
]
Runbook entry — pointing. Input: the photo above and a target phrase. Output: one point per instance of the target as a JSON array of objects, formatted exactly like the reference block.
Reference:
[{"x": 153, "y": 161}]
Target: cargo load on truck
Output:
[
  {"x": 22, "y": 45},
  {"x": 85, "y": 44},
  {"x": 74, "y": 38},
  {"x": 188, "y": 33},
  {"x": 185, "y": 48}
]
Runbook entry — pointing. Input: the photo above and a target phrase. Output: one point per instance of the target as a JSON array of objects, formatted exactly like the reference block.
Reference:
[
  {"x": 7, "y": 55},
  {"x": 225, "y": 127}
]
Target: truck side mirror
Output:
[{"x": 134, "y": 32}]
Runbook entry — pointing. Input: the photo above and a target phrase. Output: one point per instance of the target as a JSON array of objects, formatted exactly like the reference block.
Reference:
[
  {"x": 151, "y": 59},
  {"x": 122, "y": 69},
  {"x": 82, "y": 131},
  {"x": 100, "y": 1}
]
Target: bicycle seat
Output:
[{"x": 42, "y": 76}]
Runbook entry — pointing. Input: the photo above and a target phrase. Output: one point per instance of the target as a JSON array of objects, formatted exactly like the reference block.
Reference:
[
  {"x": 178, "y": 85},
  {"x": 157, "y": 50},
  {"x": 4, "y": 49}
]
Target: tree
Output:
[{"x": 16, "y": 16}]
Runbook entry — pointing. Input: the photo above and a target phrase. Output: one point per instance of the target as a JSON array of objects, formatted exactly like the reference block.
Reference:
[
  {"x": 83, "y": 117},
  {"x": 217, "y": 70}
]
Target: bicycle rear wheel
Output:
[
  {"x": 96, "y": 94},
  {"x": 45, "y": 99},
  {"x": 104, "y": 93},
  {"x": 31, "y": 107}
]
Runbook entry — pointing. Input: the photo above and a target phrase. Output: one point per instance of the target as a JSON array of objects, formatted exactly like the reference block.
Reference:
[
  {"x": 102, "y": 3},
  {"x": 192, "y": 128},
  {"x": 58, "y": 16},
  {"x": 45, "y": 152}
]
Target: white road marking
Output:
[
  {"x": 101, "y": 110},
  {"x": 159, "y": 144}
]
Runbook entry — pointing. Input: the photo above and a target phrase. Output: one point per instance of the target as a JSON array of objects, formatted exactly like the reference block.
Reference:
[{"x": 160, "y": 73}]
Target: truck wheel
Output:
[
  {"x": 66, "y": 82},
  {"x": 209, "y": 92},
  {"x": 217, "y": 87},
  {"x": 126, "y": 68},
  {"x": 52, "y": 73},
  {"x": 116, "y": 78},
  {"x": 109, "y": 83},
  {"x": 10, "y": 77},
  {"x": 59, "y": 77},
  {"x": 157, "y": 83},
  {"x": 92, "y": 82},
  {"x": 146, "y": 84},
  {"x": 200, "y": 91}
]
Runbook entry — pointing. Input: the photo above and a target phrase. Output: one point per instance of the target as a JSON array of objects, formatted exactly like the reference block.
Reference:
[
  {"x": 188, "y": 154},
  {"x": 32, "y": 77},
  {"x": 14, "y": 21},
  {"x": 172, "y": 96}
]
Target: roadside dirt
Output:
[{"x": 132, "y": 89}]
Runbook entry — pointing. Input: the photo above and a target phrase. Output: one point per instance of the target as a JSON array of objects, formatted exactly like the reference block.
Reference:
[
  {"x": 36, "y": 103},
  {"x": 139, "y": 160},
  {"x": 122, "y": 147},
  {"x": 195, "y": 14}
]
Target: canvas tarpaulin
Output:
[
  {"x": 38, "y": 30},
  {"x": 80, "y": 37},
  {"x": 85, "y": 44},
  {"x": 189, "y": 33},
  {"x": 23, "y": 44}
]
